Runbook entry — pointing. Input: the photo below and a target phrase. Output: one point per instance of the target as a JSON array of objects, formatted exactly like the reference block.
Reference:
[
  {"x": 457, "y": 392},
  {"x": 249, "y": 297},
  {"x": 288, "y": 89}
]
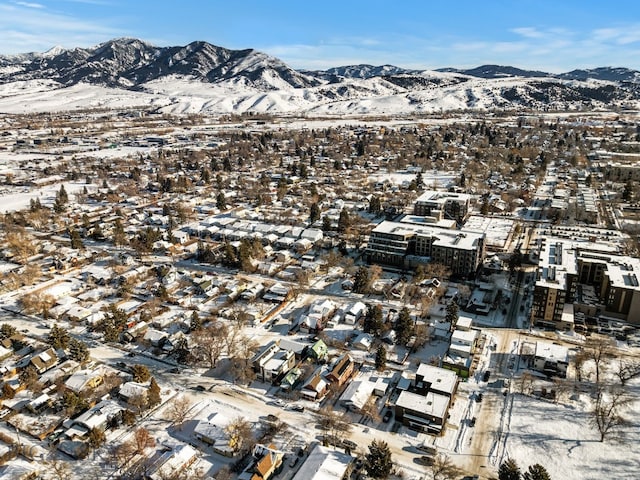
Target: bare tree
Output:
[
  {"x": 606, "y": 414},
  {"x": 120, "y": 455},
  {"x": 240, "y": 435},
  {"x": 599, "y": 350},
  {"x": 333, "y": 423},
  {"x": 21, "y": 244},
  {"x": 579, "y": 360},
  {"x": 627, "y": 370},
  {"x": 178, "y": 410},
  {"x": 443, "y": 468},
  {"x": 138, "y": 403},
  {"x": 224, "y": 473},
  {"x": 37, "y": 302},
  {"x": 142, "y": 440},
  {"x": 210, "y": 342},
  {"x": 370, "y": 410},
  {"x": 59, "y": 469},
  {"x": 241, "y": 366},
  {"x": 526, "y": 383}
]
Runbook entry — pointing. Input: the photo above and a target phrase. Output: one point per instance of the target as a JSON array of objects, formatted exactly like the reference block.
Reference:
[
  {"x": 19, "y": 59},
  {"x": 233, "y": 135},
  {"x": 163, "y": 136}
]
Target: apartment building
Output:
[{"x": 406, "y": 245}]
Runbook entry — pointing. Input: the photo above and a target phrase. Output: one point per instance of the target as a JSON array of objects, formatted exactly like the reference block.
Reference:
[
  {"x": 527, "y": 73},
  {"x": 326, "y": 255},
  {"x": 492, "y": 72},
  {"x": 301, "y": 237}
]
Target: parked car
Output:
[
  {"x": 387, "y": 416},
  {"x": 297, "y": 408},
  {"x": 350, "y": 444},
  {"x": 427, "y": 449},
  {"x": 425, "y": 460}
]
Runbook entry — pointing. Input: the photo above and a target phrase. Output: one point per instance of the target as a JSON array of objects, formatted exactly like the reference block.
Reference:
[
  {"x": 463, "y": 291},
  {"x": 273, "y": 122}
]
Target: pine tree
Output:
[
  {"x": 373, "y": 320},
  {"x": 509, "y": 470},
  {"x": 58, "y": 337},
  {"x": 314, "y": 215},
  {"x": 153, "y": 395},
  {"x": 221, "y": 201},
  {"x": 381, "y": 358},
  {"x": 344, "y": 222},
  {"x": 403, "y": 327},
  {"x": 536, "y": 472},
  {"x": 361, "y": 280},
  {"x": 140, "y": 373},
  {"x": 375, "y": 205},
  {"x": 378, "y": 461},
  {"x": 452, "y": 315},
  {"x": 78, "y": 350},
  {"x": 76, "y": 240}
]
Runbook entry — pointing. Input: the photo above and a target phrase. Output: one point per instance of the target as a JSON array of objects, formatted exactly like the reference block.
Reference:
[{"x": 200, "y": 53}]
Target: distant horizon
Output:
[
  {"x": 543, "y": 35},
  {"x": 471, "y": 67}
]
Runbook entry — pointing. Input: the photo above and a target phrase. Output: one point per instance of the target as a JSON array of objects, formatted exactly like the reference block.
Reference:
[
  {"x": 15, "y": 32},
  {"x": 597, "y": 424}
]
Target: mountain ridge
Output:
[{"x": 222, "y": 80}]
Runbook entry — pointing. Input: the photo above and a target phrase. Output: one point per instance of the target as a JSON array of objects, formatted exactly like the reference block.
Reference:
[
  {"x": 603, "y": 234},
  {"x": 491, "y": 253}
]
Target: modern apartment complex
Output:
[{"x": 406, "y": 245}]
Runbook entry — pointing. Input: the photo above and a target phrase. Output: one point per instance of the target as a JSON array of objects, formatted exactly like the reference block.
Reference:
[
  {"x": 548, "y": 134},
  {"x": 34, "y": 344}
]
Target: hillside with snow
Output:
[{"x": 203, "y": 78}]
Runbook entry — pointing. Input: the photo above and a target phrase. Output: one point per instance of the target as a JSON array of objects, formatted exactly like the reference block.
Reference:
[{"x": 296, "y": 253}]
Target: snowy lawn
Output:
[{"x": 560, "y": 438}]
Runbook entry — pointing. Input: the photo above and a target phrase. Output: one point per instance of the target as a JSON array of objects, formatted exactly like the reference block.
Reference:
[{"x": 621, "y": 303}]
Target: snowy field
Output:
[{"x": 560, "y": 438}]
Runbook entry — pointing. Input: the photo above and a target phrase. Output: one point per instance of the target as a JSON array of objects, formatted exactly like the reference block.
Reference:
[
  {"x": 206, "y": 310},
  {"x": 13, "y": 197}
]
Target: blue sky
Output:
[{"x": 554, "y": 36}]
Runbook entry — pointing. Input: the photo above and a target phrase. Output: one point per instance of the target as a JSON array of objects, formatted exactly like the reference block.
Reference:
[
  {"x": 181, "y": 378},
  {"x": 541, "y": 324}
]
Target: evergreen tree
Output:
[
  {"x": 344, "y": 222},
  {"x": 221, "y": 201},
  {"x": 7, "y": 330},
  {"x": 314, "y": 215},
  {"x": 119, "y": 237},
  {"x": 403, "y": 327},
  {"x": 509, "y": 470},
  {"x": 628, "y": 191},
  {"x": 373, "y": 320},
  {"x": 196, "y": 322},
  {"x": 76, "y": 240},
  {"x": 536, "y": 472},
  {"x": 153, "y": 395},
  {"x": 381, "y": 358},
  {"x": 452, "y": 314},
  {"x": 326, "y": 224},
  {"x": 58, "y": 337},
  {"x": 62, "y": 195},
  {"x": 374, "y": 205},
  {"x": 361, "y": 280},
  {"x": 140, "y": 373},
  {"x": 78, "y": 350},
  {"x": 378, "y": 461}
]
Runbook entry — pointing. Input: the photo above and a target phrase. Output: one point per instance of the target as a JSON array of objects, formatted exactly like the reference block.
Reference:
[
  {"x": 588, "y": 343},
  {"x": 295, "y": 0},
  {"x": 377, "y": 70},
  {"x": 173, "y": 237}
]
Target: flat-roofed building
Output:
[
  {"x": 551, "y": 359},
  {"x": 406, "y": 245},
  {"x": 449, "y": 205},
  {"x": 423, "y": 413}
]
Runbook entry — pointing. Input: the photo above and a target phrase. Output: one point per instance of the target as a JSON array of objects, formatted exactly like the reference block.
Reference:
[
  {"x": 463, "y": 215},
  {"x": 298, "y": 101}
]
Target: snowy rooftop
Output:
[{"x": 324, "y": 464}]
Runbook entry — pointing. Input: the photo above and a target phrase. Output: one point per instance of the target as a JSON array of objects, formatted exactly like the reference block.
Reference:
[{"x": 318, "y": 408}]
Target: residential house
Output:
[
  {"x": 84, "y": 380},
  {"x": 551, "y": 359},
  {"x": 173, "y": 463},
  {"x": 267, "y": 463},
  {"x": 276, "y": 366},
  {"x": 324, "y": 463},
  {"x": 316, "y": 387},
  {"x": 319, "y": 351},
  {"x": 43, "y": 361},
  {"x": 342, "y": 370}
]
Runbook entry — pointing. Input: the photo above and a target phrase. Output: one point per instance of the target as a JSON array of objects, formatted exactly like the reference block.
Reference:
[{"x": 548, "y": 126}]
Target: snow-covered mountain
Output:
[{"x": 200, "y": 77}]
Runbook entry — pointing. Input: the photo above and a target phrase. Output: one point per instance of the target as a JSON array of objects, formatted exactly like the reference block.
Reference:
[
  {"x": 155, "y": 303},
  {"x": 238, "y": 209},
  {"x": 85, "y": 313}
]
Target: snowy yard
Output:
[{"x": 560, "y": 438}]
